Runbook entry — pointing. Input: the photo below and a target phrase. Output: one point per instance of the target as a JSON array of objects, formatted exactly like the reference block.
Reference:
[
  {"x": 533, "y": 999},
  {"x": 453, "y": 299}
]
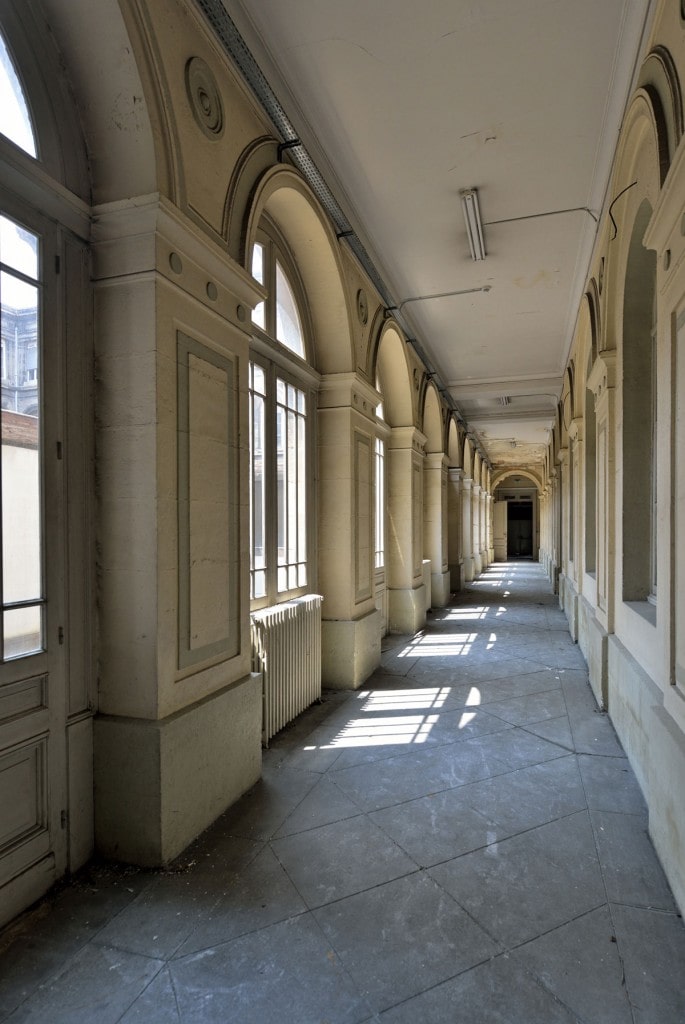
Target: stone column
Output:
[
  {"x": 455, "y": 554},
  {"x": 178, "y": 734},
  {"x": 577, "y": 462},
  {"x": 435, "y": 526},
  {"x": 475, "y": 529},
  {"x": 351, "y": 624},
  {"x": 564, "y": 497},
  {"x": 406, "y": 590},
  {"x": 490, "y": 535},
  {"x": 484, "y": 550},
  {"x": 602, "y": 382},
  {"x": 467, "y": 529}
]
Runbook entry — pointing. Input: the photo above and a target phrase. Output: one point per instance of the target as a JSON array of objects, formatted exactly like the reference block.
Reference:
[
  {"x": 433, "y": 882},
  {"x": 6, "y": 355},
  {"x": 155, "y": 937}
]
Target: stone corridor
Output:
[{"x": 460, "y": 841}]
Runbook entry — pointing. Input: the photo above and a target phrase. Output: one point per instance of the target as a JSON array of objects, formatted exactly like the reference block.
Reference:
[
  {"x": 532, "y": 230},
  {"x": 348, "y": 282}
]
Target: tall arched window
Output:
[
  {"x": 15, "y": 120},
  {"x": 639, "y": 417},
  {"x": 44, "y": 486},
  {"x": 281, "y": 450}
]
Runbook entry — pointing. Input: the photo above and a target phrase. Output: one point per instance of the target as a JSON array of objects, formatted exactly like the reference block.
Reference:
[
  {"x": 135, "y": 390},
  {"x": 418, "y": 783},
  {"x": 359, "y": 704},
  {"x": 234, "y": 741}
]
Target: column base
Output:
[
  {"x": 456, "y": 572},
  {"x": 477, "y": 564},
  {"x": 469, "y": 569},
  {"x": 440, "y": 589},
  {"x": 592, "y": 640},
  {"x": 407, "y": 609},
  {"x": 350, "y": 650},
  {"x": 159, "y": 784}
]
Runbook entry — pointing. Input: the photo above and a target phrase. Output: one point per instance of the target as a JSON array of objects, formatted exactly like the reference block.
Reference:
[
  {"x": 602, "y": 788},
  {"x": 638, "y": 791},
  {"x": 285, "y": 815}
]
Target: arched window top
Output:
[
  {"x": 288, "y": 323},
  {"x": 15, "y": 119},
  {"x": 279, "y": 316}
]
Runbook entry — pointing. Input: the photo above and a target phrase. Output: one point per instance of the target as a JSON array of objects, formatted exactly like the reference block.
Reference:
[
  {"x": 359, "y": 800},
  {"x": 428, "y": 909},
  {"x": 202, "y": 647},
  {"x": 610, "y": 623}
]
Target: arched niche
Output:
[
  {"x": 637, "y": 178},
  {"x": 589, "y": 319},
  {"x": 119, "y": 103},
  {"x": 455, "y": 447},
  {"x": 659, "y": 80},
  {"x": 287, "y": 200},
  {"x": 394, "y": 376},
  {"x": 468, "y": 459},
  {"x": 432, "y": 420}
]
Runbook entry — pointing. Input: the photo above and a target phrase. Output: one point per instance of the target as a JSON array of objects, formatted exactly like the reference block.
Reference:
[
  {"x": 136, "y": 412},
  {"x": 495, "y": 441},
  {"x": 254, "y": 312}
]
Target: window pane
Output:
[
  {"x": 20, "y": 435},
  {"x": 15, "y": 120},
  {"x": 292, "y": 496},
  {"x": 259, "y": 313},
  {"x": 22, "y": 631},
  {"x": 257, "y": 484},
  {"x": 18, "y": 248},
  {"x": 380, "y": 503},
  {"x": 288, "y": 326}
]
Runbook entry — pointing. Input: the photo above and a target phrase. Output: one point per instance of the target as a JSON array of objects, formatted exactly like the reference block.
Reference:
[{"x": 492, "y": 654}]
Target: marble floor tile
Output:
[
  {"x": 652, "y": 945},
  {"x": 337, "y": 860},
  {"x": 396, "y": 779},
  {"x": 580, "y": 964},
  {"x": 288, "y": 971},
  {"x": 255, "y": 898},
  {"x": 499, "y": 991},
  {"x": 514, "y": 902},
  {"x": 98, "y": 984},
  {"x": 610, "y": 784},
  {"x": 631, "y": 868},
  {"x": 402, "y": 938}
]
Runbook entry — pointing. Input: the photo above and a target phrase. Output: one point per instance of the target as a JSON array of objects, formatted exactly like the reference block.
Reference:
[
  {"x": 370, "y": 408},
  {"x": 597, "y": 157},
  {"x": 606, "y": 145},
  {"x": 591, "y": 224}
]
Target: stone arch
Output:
[
  {"x": 592, "y": 308},
  {"x": 61, "y": 150},
  {"x": 255, "y": 160},
  {"x": 286, "y": 199},
  {"x": 501, "y": 475},
  {"x": 119, "y": 103},
  {"x": 432, "y": 420},
  {"x": 659, "y": 79},
  {"x": 637, "y": 178},
  {"x": 394, "y": 376},
  {"x": 468, "y": 458}
]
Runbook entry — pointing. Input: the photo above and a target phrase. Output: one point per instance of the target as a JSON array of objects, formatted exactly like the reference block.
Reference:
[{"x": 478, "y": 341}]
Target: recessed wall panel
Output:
[{"x": 207, "y": 501}]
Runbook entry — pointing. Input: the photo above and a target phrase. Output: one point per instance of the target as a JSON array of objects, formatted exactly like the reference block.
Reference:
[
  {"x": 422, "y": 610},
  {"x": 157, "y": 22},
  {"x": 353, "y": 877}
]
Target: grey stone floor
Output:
[{"x": 461, "y": 841}]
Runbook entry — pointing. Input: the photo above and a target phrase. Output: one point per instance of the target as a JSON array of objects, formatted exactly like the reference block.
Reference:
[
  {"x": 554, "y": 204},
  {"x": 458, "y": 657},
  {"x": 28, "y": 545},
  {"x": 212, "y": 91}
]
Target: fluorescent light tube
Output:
[{"x": 474, "y": 226}]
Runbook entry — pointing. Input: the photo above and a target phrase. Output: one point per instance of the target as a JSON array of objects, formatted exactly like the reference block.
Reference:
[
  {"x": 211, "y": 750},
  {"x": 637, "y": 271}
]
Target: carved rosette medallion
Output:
[{"x": 204, "y": 98}]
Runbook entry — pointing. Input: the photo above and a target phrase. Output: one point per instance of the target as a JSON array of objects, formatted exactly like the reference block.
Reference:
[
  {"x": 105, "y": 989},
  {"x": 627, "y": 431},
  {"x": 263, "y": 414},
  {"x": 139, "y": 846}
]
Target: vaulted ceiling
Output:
[{"x": 404, "y": 104}]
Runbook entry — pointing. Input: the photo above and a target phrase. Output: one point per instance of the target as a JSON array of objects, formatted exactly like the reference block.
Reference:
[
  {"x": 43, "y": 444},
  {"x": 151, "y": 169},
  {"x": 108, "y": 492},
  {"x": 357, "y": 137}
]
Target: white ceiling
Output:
[{"x": 402, "y": 104}]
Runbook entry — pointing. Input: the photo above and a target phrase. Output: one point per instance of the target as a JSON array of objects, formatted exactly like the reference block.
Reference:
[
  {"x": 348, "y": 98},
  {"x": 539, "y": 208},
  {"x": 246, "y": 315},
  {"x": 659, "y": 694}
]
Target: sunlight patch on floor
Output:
[{"x": 440, "y": 646}]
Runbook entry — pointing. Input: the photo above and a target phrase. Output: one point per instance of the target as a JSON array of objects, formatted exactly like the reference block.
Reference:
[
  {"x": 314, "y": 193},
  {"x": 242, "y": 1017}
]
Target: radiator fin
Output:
[{"x": 286, "y": 649}]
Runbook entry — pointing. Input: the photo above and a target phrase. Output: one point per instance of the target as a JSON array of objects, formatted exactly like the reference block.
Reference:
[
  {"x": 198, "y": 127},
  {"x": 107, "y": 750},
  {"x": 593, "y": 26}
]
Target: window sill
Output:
[{"x": 645, "y": 609}]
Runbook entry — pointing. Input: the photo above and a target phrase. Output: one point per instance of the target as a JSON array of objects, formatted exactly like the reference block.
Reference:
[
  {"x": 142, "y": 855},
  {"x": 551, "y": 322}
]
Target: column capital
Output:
[
  {"x": 436, "y": 460},
  {"x": 344, "y": 390},
  {"x": 407, "y": 437},
  {"x": 603, "y": 374}
]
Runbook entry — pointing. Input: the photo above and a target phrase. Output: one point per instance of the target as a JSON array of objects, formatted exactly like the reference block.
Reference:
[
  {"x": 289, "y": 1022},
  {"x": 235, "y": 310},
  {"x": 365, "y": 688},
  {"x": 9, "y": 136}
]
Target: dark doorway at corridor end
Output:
[
  {"x": 519, "y": 529},
  {"x": 516, "y": 518}
]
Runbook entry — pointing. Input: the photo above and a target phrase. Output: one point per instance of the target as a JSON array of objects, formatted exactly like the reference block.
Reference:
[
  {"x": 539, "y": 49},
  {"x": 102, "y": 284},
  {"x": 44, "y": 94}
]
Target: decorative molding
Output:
[
  {"x": 348, "y": 390},
  {"x": 204, "y": 98},
  {"x": 603, "y": 374},
  {"x": 408, "y": 438},
  {"x": 198, "y": 486},
  {"x": 362, "y": 307},
  {"x": 363, "y": 468}
]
